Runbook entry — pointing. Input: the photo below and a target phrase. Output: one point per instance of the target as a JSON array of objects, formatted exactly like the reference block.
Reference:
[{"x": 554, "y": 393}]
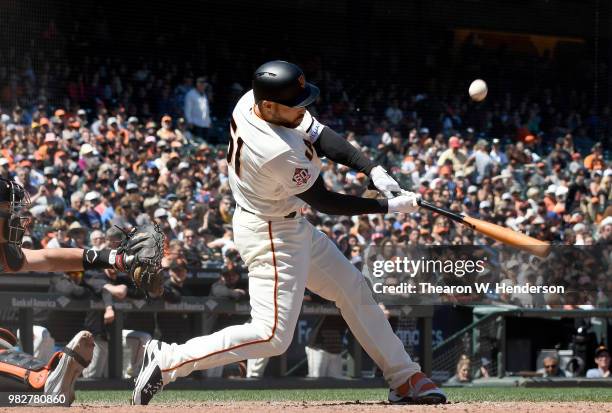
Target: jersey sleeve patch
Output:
[
  {"x": 301, "y": 176},
  {"x": 293, "y": 171}
]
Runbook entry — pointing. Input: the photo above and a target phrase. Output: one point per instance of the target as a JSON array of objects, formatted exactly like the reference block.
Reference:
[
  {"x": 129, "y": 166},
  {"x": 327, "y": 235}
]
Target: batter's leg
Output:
[
  {"x": 278, "y": 260},
  {"x": 334, "y": 278}
]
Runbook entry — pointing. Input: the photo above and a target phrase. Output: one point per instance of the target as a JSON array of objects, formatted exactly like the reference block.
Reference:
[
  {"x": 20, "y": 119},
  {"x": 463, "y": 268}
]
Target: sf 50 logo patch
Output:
[{"x": 301, "y": 176}]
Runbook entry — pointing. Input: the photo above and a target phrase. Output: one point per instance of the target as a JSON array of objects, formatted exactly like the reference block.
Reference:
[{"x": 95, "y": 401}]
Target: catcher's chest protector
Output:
[{"x": 22, "y": 372}]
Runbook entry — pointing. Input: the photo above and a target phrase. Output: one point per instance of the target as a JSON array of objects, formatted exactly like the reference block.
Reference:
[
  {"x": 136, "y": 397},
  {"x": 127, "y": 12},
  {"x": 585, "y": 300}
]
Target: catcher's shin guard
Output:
[{"x": 21, "y": 372}]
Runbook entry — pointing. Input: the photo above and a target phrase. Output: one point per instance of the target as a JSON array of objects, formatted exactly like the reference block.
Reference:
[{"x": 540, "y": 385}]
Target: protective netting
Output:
[{"x": 479, "y": 342}]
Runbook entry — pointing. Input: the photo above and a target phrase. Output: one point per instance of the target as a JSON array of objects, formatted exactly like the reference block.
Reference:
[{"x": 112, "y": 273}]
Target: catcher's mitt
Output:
[{"x": 142, "y": 251}]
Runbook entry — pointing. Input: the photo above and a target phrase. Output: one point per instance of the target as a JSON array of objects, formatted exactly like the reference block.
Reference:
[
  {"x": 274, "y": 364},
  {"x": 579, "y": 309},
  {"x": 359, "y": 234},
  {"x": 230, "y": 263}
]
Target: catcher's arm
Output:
[
  {"x": 53, "y": 260},
  {"x": 59, "y": 260},
  {"x": 139, "y": 255}
]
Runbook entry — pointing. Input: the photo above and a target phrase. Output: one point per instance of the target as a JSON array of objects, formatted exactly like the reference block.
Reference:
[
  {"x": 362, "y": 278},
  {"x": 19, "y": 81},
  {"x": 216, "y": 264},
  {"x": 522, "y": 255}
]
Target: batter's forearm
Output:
[
  {"x": 340, "y": 204},
  {"x": 336, "y": 148},
  {"x": 333, "y": 203}
]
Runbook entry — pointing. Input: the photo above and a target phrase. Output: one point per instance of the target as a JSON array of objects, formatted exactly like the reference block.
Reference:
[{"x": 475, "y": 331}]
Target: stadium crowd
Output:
[
  {"x": 105, "y": 141},
  {"x": 130, "y": 147}
]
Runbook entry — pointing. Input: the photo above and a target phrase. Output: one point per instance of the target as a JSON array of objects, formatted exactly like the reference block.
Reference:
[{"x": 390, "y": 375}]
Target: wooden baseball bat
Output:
[{"x": 497, "y": 232}]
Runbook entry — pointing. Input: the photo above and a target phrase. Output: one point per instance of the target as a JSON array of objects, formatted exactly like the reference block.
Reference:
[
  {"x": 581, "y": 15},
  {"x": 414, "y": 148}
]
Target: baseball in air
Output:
[{"x": 478, "y": 90}]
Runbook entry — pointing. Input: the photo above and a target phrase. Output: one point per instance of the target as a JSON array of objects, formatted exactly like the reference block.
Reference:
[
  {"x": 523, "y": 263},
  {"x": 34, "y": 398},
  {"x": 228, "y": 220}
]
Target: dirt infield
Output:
[{"x": 330, "y": 406}]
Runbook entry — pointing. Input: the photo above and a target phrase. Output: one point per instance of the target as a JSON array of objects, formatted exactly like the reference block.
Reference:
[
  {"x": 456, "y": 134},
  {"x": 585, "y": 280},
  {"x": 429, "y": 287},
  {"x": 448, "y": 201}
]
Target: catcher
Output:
[
  {"x": 20, "y": 372},
  {"x": 139, "y": 255}
]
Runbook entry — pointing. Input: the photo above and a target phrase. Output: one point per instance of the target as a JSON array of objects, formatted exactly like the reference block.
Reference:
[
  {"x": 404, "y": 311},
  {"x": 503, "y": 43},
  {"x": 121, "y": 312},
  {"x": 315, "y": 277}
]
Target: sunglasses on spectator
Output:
[{"x": 550, "y": 366}]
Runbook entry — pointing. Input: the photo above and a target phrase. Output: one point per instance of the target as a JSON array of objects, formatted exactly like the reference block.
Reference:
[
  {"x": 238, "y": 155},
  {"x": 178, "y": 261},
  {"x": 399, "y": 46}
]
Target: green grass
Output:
[{"x": 455, "y": 395}]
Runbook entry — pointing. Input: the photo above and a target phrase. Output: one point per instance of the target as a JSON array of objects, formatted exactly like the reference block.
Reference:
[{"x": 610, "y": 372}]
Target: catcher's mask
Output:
[{"x": 14, "y": 219}]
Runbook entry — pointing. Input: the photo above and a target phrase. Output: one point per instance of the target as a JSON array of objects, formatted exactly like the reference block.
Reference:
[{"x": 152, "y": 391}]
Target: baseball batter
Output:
[{"x": 274, "y": 169}]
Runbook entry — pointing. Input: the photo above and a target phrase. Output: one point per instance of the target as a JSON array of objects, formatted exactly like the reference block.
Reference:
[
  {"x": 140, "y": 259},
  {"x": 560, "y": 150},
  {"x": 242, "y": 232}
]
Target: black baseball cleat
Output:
[
  {"x": 149, "y": 381},
  {"x": 419, "y": 389}
]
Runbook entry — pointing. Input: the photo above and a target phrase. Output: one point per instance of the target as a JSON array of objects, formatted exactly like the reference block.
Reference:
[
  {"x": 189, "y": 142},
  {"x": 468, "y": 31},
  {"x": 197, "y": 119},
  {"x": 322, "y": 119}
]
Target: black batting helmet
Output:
[{"x": 283, "y": 82}]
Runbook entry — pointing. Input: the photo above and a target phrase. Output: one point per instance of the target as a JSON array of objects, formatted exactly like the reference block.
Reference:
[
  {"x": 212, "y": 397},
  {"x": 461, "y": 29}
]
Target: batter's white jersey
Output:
[
  {"x": 269, "y": 164},
  {"x": 285, "y": 254}
]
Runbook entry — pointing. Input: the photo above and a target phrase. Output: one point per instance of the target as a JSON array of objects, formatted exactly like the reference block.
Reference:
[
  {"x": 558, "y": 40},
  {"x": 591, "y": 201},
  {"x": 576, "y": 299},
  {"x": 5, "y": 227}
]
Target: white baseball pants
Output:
[
  {"x": 256, "y": 367},
  {"x": 43, "y": 343},
  {"x": 323, "y": 364},
  {"x": 284, "y": 256}
]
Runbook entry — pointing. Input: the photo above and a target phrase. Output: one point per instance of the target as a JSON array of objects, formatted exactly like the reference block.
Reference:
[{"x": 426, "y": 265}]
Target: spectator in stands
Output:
[
  {"x": 192, "y": 250},
  {"x": 497, "y": 155},
  {"x": 595, "y": 161},
  {"x": 197, "y": 109},
  {"x": 453, "y": 154},
  {"x": 481, "y": 160},
  {"x": 602, "y": 360},
  {"x": 92, "y": 218},
  {"x": 463, "y": 373},
  {"x": 161, "y": 218},
  {"x": 77, "y": 235},
  {"x": 551, "y": 368},
  {"x": 605, "y": 231},
  {"x": 61, "y": 239},
  {"x": 227, "y": 286},
  {"x": 166, "y": 132},
  {"x": 114, "y": 237},
  {"x": 97, "y": 240},
  {"x": 174, "y": 286},
  {"x": 226, "y": 242},
  {"x": 394, "y": 113}
]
